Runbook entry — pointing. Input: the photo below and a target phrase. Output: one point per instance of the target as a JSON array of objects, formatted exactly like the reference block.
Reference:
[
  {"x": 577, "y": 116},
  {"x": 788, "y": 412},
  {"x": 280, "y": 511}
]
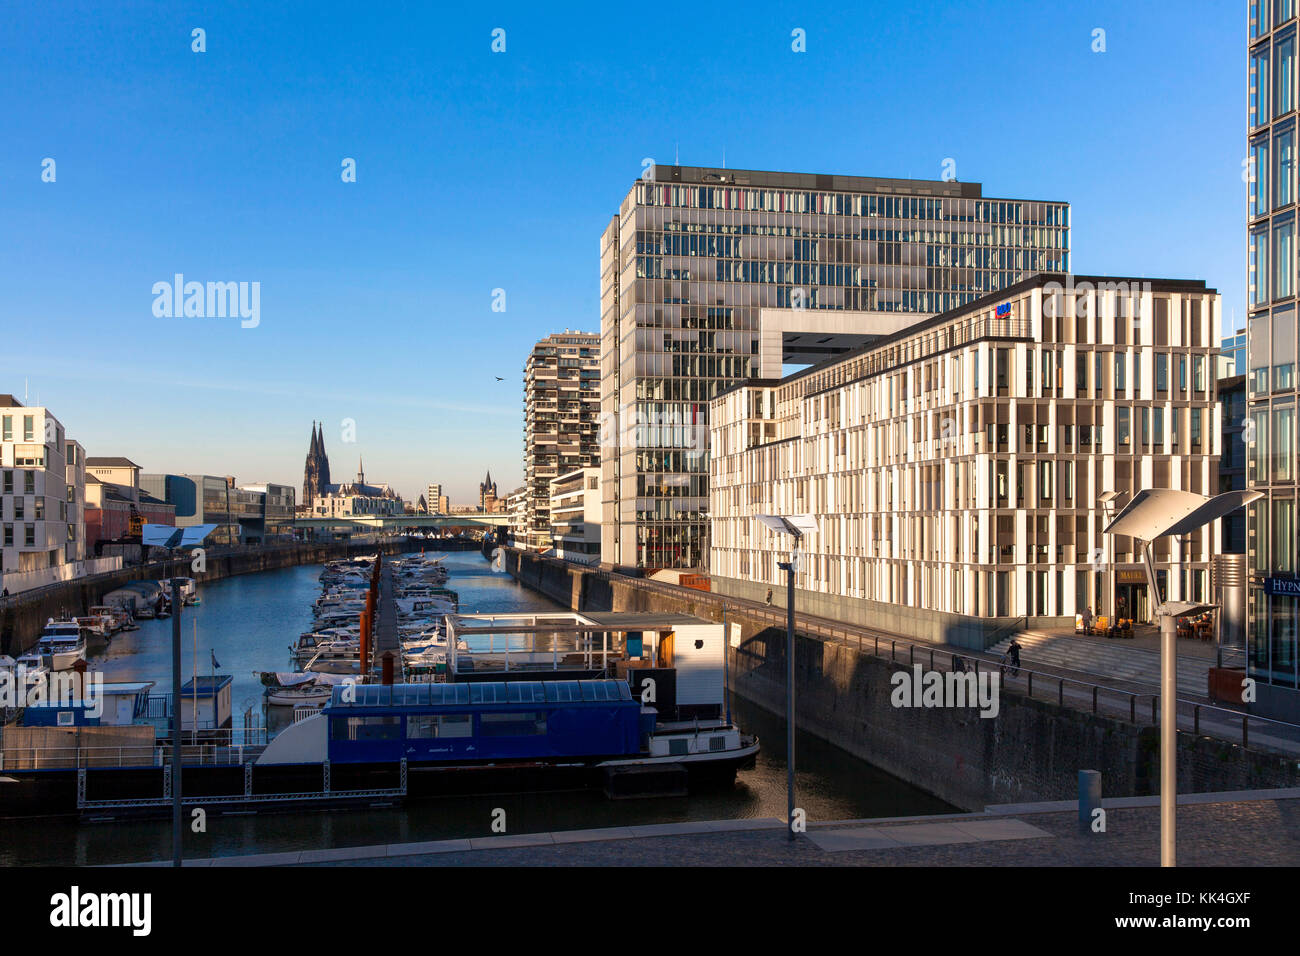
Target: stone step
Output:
[{"x": 1115, "y": 662}]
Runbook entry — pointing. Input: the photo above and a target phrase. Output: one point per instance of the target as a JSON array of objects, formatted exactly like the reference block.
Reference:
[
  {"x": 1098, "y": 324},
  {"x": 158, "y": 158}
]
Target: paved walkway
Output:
[
  {"x": 1115, "y": 660},
  {"x": 1244, "y": 828}
]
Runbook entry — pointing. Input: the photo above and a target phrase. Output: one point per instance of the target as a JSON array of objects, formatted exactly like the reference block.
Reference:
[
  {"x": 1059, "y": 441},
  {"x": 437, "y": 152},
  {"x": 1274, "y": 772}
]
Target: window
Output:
[
  {"x": 1283, "y": 259},
  {"x": 522, "y": 724},
  {"x": 1283, "y": 443},
  {"x": 1283, "y": 535},
  {"x": 1122, "y": 426},
  {"x": 1196, "y": 429},
  {"x": 1284, "y": 75},
  {"x": 29, "y": 482},
  {"x": 7, "y": 428},
  {"x": 1144, "y": 418},
  {"x": 1259, "y": 99},
  {"x": 366, "y": 728},
  {"x": 8, "y": 483},
  {"x": 29, "y": 428},
  {"x": 1258, "y": 267},
  {"x": 1259, "y": 170},
  {"x": 431, "y": 727},
  {"x": 1198, "y": 373},
  {"x": 20, "y": 507},
  {"x": 1162, "y": 372},
  {"x": 1120, "y": 364},
  {"x": 29, "y": 534},
  {"x": 1284, "y": 177},
  {"x": 9, "y": 536}
]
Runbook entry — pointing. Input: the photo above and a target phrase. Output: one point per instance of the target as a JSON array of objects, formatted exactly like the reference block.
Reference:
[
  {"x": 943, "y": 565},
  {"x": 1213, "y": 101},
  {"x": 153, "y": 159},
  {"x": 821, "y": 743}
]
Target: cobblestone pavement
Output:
[{"x": 1254, "y": 833}]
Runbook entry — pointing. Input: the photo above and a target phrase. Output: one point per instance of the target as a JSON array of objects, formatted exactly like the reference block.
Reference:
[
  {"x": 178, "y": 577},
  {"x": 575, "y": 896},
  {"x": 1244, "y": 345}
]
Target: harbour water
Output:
[{"x": 247, "y": 623}]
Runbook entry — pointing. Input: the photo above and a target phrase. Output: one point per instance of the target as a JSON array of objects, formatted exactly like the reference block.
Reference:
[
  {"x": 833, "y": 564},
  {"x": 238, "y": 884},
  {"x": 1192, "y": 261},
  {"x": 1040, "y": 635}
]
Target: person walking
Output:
[
  {"x": 1087, "y": 620},
  {"x": 1013, "y": 656},
  {"x": 768, "y": 599}
]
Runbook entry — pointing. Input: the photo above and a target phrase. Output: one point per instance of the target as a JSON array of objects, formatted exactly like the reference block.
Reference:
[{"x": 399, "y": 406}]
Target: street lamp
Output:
[
  {"x": 166, "y": 536},
  {"x": 798, "y": 526},
  {"x": 1157, "y": 513}
]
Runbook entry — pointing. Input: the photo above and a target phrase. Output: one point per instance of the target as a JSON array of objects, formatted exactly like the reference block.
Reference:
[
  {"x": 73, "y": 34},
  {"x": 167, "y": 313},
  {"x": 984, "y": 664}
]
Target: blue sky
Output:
[{"x": 479, "y": 170}]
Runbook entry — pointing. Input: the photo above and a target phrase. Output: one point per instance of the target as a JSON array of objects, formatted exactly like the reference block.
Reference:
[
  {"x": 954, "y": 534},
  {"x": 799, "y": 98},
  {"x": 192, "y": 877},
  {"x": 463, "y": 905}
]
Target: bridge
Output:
[{"x": 476, "y": 520}]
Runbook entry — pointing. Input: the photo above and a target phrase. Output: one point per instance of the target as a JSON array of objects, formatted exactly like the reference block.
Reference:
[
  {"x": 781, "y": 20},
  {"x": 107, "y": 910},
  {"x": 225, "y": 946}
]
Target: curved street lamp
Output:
[{"x": 1158, "y": 513}]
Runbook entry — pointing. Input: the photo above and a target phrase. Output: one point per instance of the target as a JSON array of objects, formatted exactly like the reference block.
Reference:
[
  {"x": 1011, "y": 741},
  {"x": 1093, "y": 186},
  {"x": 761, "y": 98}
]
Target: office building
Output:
[
  {"x": 955, "y": 468},
  {"x": 436, "y": 503},
  {"x": 1271, "y": 393},
  {"x": 695, "y": 256},
  {"x": 561, "y": 407}
]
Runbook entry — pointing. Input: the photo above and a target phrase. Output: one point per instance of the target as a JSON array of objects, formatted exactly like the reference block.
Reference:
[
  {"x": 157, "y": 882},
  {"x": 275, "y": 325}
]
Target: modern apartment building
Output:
[
  {"x": 955, "y": 468},
  {"x": 435, "y": 501},
  {"x": 1271, "y": 393},
  {"x": 692, "y": 259},
  {"x": 575, "y": 516},
  {"x": 561, "y": 406},
  {"x": 42, "y": 488}
]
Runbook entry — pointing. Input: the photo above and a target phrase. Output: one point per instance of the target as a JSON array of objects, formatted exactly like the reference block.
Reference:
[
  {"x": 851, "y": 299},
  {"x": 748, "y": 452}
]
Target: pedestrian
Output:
[
  {"x": 1087, "y": 620},
  {"x": 1013, "y": 654},
  {"x": 958, "y": 665},
  {"x": 768, "y": 599}
]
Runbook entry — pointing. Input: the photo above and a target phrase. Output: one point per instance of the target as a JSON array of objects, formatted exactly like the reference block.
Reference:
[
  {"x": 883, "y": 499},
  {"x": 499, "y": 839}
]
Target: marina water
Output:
[{"x": 247, "y": 623}]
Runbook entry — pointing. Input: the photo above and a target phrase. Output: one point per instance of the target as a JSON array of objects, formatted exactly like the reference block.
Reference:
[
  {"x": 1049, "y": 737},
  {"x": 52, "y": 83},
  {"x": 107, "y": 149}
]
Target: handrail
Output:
[{"x": 813, "y": 627}]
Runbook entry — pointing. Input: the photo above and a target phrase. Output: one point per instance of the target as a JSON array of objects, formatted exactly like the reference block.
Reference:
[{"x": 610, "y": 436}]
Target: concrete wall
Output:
[{"x": 1031, "y": 751}]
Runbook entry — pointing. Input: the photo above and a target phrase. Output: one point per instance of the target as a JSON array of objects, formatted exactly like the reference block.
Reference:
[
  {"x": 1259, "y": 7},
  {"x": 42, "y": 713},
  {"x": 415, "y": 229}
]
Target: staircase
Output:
[{"x": 1113, "y": 661}]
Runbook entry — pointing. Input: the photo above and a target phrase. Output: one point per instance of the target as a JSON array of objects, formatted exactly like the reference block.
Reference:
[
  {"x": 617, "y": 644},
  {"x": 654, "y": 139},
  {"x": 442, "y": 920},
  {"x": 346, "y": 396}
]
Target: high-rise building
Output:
[
  {"x": 1273, "y": 600},
  {"x": 702, "y": 266},
  {"x": 435, "y": 500},
  {"x": 561, "y": 407}
]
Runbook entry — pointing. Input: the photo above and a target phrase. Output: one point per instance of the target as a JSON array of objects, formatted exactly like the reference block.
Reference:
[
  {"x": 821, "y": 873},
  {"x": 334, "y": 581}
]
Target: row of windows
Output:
[{"x": 853, "y": 204}]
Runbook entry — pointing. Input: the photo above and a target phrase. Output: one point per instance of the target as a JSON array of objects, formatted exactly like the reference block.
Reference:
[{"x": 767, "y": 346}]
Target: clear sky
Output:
[{"x": 478, "y": 171}]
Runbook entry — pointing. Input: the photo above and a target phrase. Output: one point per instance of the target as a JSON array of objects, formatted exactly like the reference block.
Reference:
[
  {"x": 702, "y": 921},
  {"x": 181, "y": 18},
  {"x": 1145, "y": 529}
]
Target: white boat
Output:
[
  {"x": 63, "y": 642},
  {"x": 304, "y": 695}
]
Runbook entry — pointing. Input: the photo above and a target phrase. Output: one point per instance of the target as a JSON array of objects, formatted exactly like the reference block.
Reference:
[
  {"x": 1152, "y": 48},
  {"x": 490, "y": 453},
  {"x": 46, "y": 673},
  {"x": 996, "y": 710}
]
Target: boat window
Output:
[
  {"x": 429, "y": 727},
  {"x": 366, "y": 728},
  {"x": 522, "y": 724}
]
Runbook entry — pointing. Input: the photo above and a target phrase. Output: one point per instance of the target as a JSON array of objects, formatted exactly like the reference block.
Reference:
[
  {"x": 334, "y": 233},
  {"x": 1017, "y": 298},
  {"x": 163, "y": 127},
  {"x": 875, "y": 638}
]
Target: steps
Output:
[{"x": 1114, "y": 661}]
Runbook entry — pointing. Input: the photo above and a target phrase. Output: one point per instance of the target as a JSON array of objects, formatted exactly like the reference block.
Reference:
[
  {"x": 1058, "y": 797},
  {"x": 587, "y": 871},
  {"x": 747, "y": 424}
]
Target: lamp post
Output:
[
  {"x": 1157, "y": 513},
  {"x": 797, "y": 526},
  {"x": 166, "y": 536}
]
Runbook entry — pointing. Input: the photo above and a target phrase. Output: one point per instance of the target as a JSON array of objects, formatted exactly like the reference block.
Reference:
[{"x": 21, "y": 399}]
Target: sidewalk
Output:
[{"x": 1251, "y": 828}]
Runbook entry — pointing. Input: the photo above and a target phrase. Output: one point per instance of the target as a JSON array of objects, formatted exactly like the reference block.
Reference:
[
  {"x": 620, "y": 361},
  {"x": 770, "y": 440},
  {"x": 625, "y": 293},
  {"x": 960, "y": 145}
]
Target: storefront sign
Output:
[
  {"x": 1282, "y": 585},
  {"x": 1130, "y": 577}
]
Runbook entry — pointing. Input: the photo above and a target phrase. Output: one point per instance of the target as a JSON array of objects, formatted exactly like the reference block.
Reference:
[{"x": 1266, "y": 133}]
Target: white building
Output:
[
  {"x": 357, "y": 498},
  {"x": 42, "y": 490},
  {"x": 517, "y": 509},
  {"x": 575, "y": 516},
  {"x": 436, "y": 501},
  {"x": 955, "y": 467}
]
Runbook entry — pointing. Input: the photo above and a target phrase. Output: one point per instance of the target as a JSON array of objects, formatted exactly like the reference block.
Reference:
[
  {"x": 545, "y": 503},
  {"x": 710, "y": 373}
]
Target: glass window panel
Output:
[
  {"x": 1284, "y": 260},
  {"x": 1284, "y": 75},
  {"x": 1284, "y": 445},
  {"x": 1283, "y": 188},
  {"x": 1259, "y": 113},
  {"x": 1258, "y": 267}
]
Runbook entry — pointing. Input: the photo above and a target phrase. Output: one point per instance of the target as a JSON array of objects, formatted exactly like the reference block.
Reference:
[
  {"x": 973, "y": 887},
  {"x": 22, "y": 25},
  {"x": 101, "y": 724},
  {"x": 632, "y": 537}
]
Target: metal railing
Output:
[
  {"x": 1139, "y": 708},
  {"x": 69, "y": 758}
]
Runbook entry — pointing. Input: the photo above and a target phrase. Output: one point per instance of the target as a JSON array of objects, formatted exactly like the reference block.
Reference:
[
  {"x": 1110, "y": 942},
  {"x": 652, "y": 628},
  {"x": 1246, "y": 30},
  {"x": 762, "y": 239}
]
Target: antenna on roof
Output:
[{"x": 677, "y": 154}]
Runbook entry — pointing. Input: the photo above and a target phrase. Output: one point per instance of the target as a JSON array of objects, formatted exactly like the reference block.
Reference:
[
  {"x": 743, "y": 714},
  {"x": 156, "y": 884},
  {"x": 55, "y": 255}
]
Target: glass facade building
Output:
[
  {"x": 692, "y": 257},
  {"x": 1272, "y": 548}
]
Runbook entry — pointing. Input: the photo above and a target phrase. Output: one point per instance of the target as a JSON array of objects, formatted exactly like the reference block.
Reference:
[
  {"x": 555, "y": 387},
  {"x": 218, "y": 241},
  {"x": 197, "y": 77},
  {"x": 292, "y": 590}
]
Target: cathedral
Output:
[{"x": 316, "y": 476}]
